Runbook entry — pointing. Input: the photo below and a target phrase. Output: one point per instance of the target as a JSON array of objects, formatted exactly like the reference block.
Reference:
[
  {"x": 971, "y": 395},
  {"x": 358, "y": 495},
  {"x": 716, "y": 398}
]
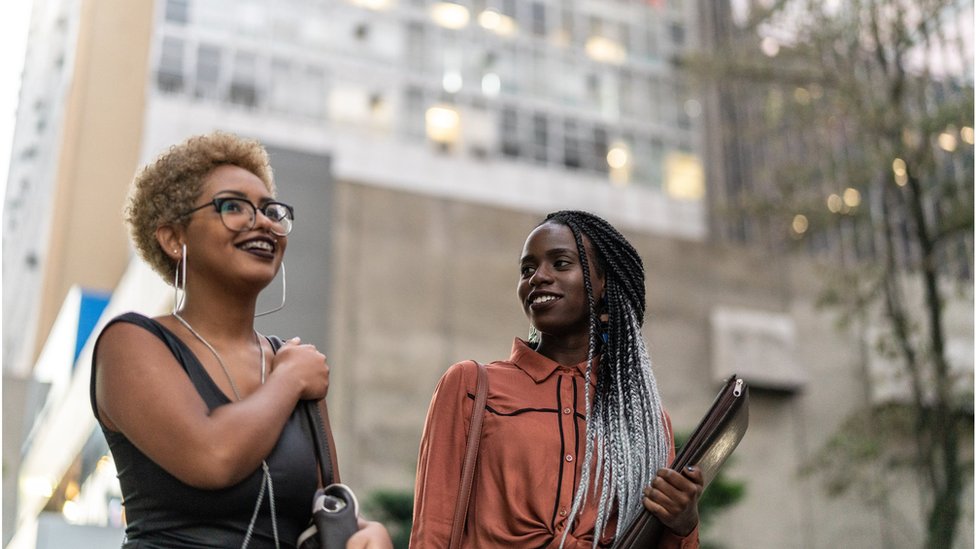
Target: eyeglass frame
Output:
[{"x": 218, "y": 201}]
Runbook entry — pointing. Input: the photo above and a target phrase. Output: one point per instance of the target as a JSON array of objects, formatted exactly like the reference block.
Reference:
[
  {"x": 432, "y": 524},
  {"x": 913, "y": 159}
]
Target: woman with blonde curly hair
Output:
[{"x": 200, "y": 411}]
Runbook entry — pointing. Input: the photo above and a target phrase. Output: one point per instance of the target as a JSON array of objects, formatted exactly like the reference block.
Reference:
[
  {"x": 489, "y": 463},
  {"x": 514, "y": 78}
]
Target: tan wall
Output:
[
  {"x": 100, "y": 146},
  {"x": 421, "y": 283}
]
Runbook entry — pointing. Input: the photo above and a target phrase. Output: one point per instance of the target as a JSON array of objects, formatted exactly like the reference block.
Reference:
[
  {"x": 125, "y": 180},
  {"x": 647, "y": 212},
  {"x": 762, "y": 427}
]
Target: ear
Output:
[
  {"x": 171, "y": 240},
  {"x": 599, "y": 282}
]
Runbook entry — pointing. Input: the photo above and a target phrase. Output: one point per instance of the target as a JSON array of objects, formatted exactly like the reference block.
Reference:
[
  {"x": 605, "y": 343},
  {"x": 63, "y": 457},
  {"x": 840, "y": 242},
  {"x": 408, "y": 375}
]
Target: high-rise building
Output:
[{"x": 420, "y": 142}]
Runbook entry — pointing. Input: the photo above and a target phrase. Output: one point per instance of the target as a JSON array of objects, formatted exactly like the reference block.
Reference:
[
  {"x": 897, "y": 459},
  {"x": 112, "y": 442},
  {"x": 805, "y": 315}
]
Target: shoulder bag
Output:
[
  {"x": 470, "y": 457},
  {"x": 335, "y": 509}
]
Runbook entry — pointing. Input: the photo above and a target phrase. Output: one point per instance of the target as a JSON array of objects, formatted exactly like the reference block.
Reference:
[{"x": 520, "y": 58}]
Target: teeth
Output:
[
  {"x": 543, "y": 298},
  {"x": 258, "y": 245}
]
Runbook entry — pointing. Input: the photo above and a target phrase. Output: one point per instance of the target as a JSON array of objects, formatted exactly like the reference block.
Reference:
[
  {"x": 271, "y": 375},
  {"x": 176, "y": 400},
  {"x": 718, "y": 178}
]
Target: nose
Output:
[
  {"x": 540, "y": 276},
  {"x": 263, "y": 222}
]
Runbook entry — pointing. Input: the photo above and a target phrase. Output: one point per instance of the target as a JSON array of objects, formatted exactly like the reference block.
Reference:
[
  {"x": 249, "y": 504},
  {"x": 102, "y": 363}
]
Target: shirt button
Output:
[
  {"x": 569, "y": 457},
  {"x": 567, "y": 411},
  {"x": 562, "y": 512}
]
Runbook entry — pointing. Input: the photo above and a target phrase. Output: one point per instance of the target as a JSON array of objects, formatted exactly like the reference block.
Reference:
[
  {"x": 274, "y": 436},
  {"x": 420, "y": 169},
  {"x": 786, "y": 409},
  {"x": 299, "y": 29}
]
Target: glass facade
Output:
[{"x": 587, "y": 87}]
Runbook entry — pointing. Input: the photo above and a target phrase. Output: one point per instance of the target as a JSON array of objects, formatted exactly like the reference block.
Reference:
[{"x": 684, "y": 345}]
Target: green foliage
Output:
[{"x": 394, "y": 508}]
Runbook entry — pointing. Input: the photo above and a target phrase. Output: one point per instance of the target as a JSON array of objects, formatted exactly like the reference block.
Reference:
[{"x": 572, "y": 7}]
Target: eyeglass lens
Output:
[{"x": 239, "y": 215}]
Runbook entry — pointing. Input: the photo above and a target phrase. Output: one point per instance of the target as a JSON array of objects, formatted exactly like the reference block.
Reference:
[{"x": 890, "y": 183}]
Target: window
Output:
[
  {"x": 540, "y": 137},
  {"x": 208, "y": 71},
  {"x": 571, "y": 146},
  {"x": 312, "y": 99},
  {"x": 677, "y": 34},
  {"x": 282, "y": 93},
  {"x": 415, "y": 45},
  {"x": 413, "y": 112},
  {"x": 169, "y": 75},
  {"x": 178, "y": 11},
  {"x": 538, "y": 19},
  {"x": 509, "y": 133},
  {"x": 243, "y": 86},
  {"x": 598, "y": 159}
]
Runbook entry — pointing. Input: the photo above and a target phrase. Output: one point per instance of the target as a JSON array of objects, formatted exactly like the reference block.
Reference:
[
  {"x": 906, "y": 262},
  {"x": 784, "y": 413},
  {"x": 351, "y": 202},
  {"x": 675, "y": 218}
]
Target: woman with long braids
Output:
[
  {"x": 199, "y": 410},
  {"x": 575, "y": 440}
]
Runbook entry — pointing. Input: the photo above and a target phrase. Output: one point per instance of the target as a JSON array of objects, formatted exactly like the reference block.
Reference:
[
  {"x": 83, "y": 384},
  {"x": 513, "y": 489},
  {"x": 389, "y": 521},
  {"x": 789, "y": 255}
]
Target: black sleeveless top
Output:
[{"x": 164, "y": 513}]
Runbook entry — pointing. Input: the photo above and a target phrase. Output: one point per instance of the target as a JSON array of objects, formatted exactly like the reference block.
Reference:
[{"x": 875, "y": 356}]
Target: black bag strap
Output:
[{"x": 320, "y": 433}]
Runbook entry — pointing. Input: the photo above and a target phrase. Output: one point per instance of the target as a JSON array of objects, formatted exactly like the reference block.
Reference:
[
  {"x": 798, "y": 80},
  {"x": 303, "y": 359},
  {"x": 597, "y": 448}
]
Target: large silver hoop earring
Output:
[
  {"x": 284, "y": 292},
  {"x": 179, "y": 294}
]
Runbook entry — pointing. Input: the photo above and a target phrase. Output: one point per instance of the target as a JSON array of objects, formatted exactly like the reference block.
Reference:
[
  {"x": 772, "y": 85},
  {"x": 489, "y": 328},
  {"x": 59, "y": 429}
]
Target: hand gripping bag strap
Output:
[
  {"x": 328, "y": 467},
  {"x": 470, "y": 457}
]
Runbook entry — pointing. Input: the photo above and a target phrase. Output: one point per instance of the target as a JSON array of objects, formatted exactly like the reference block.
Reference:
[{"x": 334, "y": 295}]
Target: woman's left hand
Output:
[
  {"x": 371, "y": 535},
  {"x": 673, "y": 498}
]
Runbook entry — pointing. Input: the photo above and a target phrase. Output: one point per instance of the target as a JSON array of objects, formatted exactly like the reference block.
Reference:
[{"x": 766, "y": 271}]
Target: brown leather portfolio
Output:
[{"x": 712, "y": 442}]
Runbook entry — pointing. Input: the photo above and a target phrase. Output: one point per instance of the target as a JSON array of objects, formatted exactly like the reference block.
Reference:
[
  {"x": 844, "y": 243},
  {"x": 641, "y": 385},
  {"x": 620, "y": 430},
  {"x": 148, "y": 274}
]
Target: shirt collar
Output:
[{"x": 540, "y": 367}]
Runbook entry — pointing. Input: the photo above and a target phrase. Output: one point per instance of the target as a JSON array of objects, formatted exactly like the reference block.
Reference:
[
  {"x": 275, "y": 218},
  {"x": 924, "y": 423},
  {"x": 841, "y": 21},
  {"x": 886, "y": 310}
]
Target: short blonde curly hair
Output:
[{"x": 170, "y": 185}]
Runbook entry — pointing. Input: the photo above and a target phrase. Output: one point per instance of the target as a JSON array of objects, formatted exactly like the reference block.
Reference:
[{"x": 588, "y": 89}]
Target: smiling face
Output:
[
  {"x": 254, "y": 254},
  {"x": 550, "y": 286}
]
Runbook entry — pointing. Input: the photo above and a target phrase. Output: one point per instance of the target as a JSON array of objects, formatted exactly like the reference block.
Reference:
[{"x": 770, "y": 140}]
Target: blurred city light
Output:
[
  {"x": 452, "y": 81},
  {"x": 605, "y": 50},
  {"x": 801, "y": 96},
  {"x": 450, "y": 15},
  {"x": 491, "y": 84},
  {"x": 618, "y": 156},
  {"x": 375, "y": 5},
  {"x": 834, "y": 203},
  {"x": 498, "y": 23},
  {"x": 73, "y": 512},
  {"x": 38, "y": 486},
  {"x": 898, "y": 166},
  {"x": 443, "y": 124},
  {"x": 685, "y": 177},
  {"x": 619, "y": 161},
  {"x": 800, "y": 224},
  {"x": 769, "y": 46},
  {"x": 947, "y": 141},
  {"x": 852, "y": 197},
  {"x": 967, "y": 134}
]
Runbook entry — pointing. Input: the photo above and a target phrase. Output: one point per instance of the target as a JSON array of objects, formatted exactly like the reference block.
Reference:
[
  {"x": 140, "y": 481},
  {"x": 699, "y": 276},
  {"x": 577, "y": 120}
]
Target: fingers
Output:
[
  {"x": 673, "y": 489},
  {"x": 305, "y": 365},
  {"x": 673, "y": 498},
  {"x": 371, "y": 535}
]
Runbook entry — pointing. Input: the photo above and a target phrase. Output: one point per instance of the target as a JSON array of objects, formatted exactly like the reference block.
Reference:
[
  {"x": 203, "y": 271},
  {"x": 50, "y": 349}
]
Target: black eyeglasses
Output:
[{"x": 240, "y": 214}]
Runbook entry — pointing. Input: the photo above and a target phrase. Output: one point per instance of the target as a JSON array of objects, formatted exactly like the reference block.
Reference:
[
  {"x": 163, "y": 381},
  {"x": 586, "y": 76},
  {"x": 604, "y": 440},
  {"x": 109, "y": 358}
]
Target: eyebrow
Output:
[
  {"x": 552, "y": 252},
  {"x": 239, "y": 194}
]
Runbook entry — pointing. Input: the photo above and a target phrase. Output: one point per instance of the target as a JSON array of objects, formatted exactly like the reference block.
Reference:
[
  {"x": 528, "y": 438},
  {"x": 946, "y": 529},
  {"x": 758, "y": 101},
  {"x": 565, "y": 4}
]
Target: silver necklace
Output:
[{"x": 266, "y": 477}]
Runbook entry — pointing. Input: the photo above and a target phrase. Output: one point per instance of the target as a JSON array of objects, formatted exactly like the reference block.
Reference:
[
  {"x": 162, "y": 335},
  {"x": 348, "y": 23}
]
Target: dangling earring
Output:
[
  {"x": 534, "y": 335},
  {"x": 179, "y": 277},
  {"x": 603, "y": 321},
  {"x": 284, "y": 292}
]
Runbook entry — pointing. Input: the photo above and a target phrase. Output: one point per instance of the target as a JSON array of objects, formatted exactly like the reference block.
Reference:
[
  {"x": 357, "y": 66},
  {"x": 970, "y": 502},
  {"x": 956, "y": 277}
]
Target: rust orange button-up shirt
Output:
[{"x": 529, "y": 464}]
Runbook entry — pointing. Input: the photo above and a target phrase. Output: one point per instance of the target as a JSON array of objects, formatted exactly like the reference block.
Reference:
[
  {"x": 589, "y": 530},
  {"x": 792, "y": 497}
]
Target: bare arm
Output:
[{"x": 144, "y": 393}]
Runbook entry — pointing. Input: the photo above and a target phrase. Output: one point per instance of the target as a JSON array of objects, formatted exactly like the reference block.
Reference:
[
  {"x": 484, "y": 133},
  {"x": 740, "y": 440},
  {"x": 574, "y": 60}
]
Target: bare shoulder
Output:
[
  {"x": 133, "y": 366},
  {"x": 121, "y": 339}
]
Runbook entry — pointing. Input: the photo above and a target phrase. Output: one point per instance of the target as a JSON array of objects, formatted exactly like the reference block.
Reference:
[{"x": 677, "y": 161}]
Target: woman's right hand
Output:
[{"x": 303, "y": 363}]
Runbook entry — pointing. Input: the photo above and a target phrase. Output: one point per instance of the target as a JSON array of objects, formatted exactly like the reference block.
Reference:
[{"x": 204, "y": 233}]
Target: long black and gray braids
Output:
[{"x": 626, "y": 432}]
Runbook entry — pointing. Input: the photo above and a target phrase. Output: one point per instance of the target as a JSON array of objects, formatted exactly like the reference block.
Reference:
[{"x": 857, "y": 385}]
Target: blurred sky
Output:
[{"x": 14, "y": 21}]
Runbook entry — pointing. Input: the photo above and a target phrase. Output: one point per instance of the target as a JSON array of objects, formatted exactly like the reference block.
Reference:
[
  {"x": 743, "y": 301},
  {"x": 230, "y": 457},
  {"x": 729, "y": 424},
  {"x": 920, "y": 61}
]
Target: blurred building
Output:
[{"x": 420, "y": 142}]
